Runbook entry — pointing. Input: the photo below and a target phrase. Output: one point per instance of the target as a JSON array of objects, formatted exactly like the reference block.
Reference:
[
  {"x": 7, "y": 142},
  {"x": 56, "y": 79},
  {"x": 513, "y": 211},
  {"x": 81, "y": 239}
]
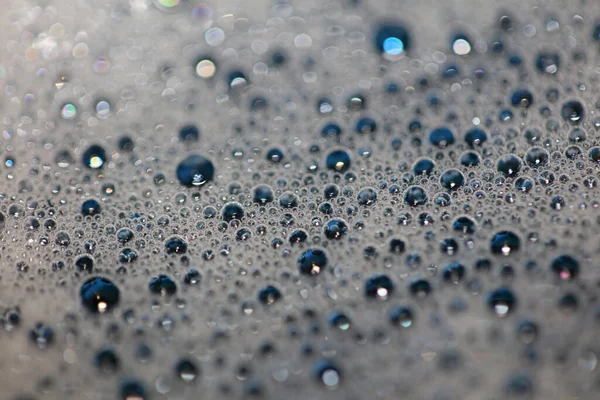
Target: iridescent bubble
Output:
[
  {"x": 68, "y": 111},
  {"x": 206, "y": 68}
]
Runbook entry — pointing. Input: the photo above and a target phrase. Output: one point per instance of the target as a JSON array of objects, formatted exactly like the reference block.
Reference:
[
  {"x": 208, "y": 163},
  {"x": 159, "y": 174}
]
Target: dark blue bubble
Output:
[
  {"x": 565, "y": 267},
  {"x": 42, "y": 335},
  {"x": 339, "y": 320},
  {"x": 470, "y": 159},
  {"x": 335, "y": 229},
  {"x": 189, "y": 132},
  {"x": 366, "y": 196},
  {"x": 536, "y": 157},
  {"x": 84, "y": 263},
  {"x": 263, "y": 194},
  {"x": 502, "y": 301},
  {"x": 454, "y": 273},
  {"x": 106, "y": 360},
  {"x": 269, "y": 295},
  {"x": 450, "y": 72},
  {"x": 232, "y": 211},
  {"x": 475, "y": 137},
  {"x": 278, "y": 58},
  {"x": 99, "y": 295},
  {"x": 509, "y": 165},
  {"x": 452, "y": 179},
  {"x": 420, "y": 287},
  {"x": 312, "y": 262},
  {"x": 366, "y": 125},
  {"x": 515, "y": 60},
  {"x": 397, "y": 246},
  {"x": 505, "y": 243},
  {"x": 132, "y": 389},
  {"x": 331, "y": 129},
  {"x": 275, "y": 155},
  {"x": 94, "y": 157},
  {"x": 548, "y": 62},
  {"x": 415, "y": 196},
  {"x": 90, "y": 207},
  {"x": 331, "y": 191},
  {"x": 392, "y": 39},
  {"x": 402, "y": 316},
  {"x": 175, "y": 245},
  {"x": 192, "y": 277},
  {"x": 298, "y": 236},
  {"x": 596, "y": 32},
  {"x": 338, "y": 160},
  {"x": 464, "y": 224},
  {"x": 379, "y": 286},
  {"x": 195, "y": 170},
  {"x": 521, "y": 98},
  {"x": 327, "y": 373},
  {"x": 573, "y": 112},
  {"x": 441, "y": 137},
  {"x": 125, "y": 143},
  {"x": 423, "y": 166},
  {"x": 162, "y": 285}
]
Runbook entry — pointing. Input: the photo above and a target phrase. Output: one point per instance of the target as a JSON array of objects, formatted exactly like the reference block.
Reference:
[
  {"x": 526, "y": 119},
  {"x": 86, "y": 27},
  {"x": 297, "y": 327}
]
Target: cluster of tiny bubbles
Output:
[{"x": 282, "y": 199}]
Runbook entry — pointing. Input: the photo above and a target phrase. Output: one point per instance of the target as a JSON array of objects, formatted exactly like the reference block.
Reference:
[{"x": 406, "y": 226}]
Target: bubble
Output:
[
  {"x": 189, "y": 132},
  {"x": 42, "y": 335},
  {"x": 420, "y": 288},
  {"x": 192, "y": 277},
  {"x": 84, "y": 263},
  {"x": 565, "y": 267},
  {"x": 90, "y": 207},
  {"x": 68, "y": 111},
  {"x": 379, "y": 286},
  {"x": 327, "y": 373},
  {"x": 402, "y": 316},
  {"x": 415, "y": 196},
  {"x": 461, "y": 45},
  {"x": 475, "y": 137},
  {"x": 275, "y": 155},
  {"x": 367, "y": 196},
  {"x": 312, "y": 262},
  {"x": 536, "y": 157},
  {"x": 338, "y": 160},
  {"x": 232, "y": 211},
  {"x": 99, "y": 295},
  {"x": 162, "y": 285},
  {"x": 505, "y": 243},
  {"x": 441, "y": 137},
  {"x": 336, "y": 229},
  {"x": 509, "y": 165},
  {"x": 176, "y": 245},
  {"x": 107, "y": 360},
  {"x": 452, "y": 179},
  {"x": 340, "y": 321},
  {"x": 186, "y": 370},
  {"x": 131, "y": 389},
  {"x": 423, "y": 166},
  {"x": 195, "y": 170},
  {"x": 548, "y": 62},
  {"x": 206, "y": 68},
  {"x": 94, "y": 157},
  {"x": 502, "y": 302},
  {"x": 269, "y": 295},
  {"x": 453, "y": 273},
  {"x": 572, "y": 112},
  {"x": 392, "y": 39},
  {"x": 521, "y": 98}
]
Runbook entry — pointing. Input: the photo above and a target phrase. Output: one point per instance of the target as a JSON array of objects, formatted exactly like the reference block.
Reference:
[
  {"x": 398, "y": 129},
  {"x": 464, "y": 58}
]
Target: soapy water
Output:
[{"x": 344, "y": 199}]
